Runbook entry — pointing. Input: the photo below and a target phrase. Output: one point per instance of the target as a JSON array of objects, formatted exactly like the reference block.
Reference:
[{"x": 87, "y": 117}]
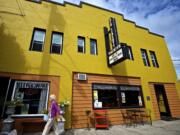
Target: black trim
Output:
[
  {"x": 40, "y": 1},
  {"x": 62, "y": 34},
  {"x": 84, "y": 44},
  {"x": 107, "y": 44},
  {"x": 118, "y": 96},
  {"x": 34, "y": 29}
]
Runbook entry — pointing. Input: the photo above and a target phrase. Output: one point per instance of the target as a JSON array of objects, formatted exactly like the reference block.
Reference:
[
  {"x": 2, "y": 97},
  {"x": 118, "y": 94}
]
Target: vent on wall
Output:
[{"x": 82, "y": 77}]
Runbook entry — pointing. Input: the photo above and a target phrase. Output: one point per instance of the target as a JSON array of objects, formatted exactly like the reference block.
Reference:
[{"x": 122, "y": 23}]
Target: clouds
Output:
[{"x": 160, "y": 16}]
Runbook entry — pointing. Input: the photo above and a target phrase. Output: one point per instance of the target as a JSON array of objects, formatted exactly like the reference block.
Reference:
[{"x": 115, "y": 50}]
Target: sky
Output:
[{"x": 159, "y": 16}]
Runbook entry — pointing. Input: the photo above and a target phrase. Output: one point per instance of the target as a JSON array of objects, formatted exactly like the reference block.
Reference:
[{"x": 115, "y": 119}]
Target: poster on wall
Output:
[
  {"x": 123, "y": 97},
  {"x": 95, "y": 95},
  {"x": 97, "y": 104},
  {"x": 140, "y": 100}
]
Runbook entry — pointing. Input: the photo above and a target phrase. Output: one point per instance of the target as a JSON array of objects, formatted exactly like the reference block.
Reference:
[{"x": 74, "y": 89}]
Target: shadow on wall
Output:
[
  {"x": 12, "y": 58},
  {"x": 120, "y": 69},
  {"x": 56, "y": 22}
]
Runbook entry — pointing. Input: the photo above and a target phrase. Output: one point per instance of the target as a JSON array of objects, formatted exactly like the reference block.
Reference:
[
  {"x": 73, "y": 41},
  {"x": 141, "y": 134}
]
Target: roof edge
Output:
[{"x": 85, "y": 3}]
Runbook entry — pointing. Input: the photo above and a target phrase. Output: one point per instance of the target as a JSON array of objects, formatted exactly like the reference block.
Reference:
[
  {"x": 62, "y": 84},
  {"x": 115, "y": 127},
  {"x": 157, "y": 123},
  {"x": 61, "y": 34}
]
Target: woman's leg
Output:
[
  {"x": 48, "y": 126},
  {"x": 55, "y": 127}
]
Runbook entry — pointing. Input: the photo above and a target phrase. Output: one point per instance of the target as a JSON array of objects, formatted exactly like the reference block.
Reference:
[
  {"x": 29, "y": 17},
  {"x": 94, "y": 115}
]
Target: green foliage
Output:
[
  {"x": 14, "y": 103},
  {"x": 45, "y": 111},
  {"x": 64, "y": 103}
]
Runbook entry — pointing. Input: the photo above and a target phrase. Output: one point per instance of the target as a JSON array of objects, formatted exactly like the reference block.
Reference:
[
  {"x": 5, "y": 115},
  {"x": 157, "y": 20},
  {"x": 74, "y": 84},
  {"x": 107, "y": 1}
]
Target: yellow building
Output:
[{"x": 47, "y": 47}]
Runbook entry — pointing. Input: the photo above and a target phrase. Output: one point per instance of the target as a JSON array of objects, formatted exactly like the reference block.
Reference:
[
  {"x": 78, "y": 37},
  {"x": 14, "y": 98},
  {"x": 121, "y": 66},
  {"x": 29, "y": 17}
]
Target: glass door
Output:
[{"x": 162, "y": 100}]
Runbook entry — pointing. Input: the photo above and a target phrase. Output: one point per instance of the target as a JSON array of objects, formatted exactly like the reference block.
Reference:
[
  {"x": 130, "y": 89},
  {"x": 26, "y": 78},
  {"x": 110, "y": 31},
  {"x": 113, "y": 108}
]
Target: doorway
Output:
[
  {"x": 4, "y": 83},
  {"x": 162, "y": 101}
]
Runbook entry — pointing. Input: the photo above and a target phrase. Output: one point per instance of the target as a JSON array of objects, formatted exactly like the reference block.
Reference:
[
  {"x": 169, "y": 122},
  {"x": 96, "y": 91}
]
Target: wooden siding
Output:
[
  {"x": 54, "y": 80},
  {"x": 172, "y": 97},
  {"x": 82, "y": 99},
  {"x": 54, "y": 89},
  {"x": 154, "y": 102}
]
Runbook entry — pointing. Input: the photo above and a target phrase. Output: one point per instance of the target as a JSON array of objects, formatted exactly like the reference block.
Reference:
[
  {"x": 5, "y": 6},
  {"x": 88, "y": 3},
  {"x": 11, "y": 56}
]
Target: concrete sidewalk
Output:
[{"x": 158, "y": 128}]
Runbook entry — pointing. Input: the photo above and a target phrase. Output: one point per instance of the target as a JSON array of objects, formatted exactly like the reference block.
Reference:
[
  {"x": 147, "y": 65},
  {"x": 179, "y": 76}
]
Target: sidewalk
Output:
[{"x": 158, "y": 128}]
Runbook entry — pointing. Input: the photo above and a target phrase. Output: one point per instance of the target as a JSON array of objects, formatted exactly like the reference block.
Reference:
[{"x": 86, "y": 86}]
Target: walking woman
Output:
[{"x": 54, "y": 113}]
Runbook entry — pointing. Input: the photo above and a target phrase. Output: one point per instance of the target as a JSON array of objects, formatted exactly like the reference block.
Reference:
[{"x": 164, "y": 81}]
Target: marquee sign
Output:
[
  {"x": 114, "y": 32},
  {"x": 119, "y": 51},
  {"x": 115, "y": 55}
]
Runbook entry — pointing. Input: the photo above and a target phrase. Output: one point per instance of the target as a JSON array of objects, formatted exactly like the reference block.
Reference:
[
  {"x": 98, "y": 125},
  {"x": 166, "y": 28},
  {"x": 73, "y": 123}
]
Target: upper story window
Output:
[
  {"x": 38, "y": 39},
  {"x": 154, "y": 59},
  {"x": 93, "y": 47},
  {"x": 130, "y": 54},
  {"x": 81, "y": 44},
  {"x": 38, "y": 1},
  {"x": 145, "y": 57},
  {"x": 57, "y": 43}
]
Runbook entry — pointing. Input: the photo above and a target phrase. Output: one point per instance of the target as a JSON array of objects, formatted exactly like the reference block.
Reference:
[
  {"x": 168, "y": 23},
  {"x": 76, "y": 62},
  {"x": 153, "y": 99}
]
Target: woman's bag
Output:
[{"x": 46, "y": 117}]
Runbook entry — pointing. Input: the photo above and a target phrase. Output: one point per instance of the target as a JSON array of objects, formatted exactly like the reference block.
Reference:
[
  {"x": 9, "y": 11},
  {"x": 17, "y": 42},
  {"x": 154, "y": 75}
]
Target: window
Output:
[
  {"x": 93, "y": 46},
  {"x": 81, "y": 44},
  {"x": 130, "y": 54},
  {"x": 57, "y": 43},
  {"x": 38, "y": 40},
  {"x": 145, "y": 57},
  {"x": 34, "y": 96},
  {"x": 106, "y": 95},
  {"x": 130, "y": 96},
  {"x": 117, "y": 96},
  {"x": 154, "y": 59}
]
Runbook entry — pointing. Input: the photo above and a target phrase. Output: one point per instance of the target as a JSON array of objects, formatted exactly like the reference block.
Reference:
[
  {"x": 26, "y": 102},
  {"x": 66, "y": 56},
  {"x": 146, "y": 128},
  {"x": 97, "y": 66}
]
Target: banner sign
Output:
[
  {"x": 31, "y": 84},
  {"x": 104, "y": 87}
]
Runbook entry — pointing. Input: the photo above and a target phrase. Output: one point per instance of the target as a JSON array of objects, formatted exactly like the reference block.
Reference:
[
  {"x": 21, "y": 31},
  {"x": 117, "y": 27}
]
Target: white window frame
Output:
[{"x": 46, "y": 104}]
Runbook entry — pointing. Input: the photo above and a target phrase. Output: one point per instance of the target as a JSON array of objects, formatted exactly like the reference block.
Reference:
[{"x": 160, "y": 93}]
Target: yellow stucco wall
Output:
[{"x": 17, "y": 21}]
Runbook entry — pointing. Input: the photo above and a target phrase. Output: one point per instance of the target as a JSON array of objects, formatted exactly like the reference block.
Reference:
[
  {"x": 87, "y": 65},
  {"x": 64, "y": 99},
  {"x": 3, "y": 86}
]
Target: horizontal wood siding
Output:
[
  {"x": 54, "y": 89},
  {"x": 173, "y": 99},
  {"x": 154, "y": 102},
  {"x": 82, "y": 99}
]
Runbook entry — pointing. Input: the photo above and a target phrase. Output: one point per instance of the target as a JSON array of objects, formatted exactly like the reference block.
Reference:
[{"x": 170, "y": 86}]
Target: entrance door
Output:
[
  {"x": 4, "y": 82},
  {"x": 162, "y": 100}
]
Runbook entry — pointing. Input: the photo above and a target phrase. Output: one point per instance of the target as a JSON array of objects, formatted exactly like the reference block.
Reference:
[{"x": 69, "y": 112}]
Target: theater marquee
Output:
[{"x": 119, "y": 50}]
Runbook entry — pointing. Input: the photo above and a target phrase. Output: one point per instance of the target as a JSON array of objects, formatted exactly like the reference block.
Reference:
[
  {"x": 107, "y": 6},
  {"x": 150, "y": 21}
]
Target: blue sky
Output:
[{"x": 160, "y": 16}]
